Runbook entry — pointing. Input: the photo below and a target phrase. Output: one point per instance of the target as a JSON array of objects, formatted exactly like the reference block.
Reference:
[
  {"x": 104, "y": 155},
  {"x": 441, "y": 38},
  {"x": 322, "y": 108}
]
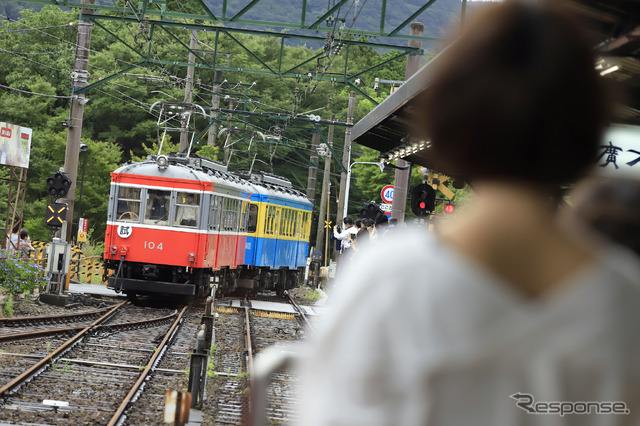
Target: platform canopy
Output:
[{"x": 616, "y": 28}]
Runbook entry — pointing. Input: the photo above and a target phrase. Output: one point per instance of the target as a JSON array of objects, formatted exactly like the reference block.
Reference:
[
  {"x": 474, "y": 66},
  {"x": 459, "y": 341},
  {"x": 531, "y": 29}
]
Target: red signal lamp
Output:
[
  {"x": 422, "y": 204},
  {"x": 448, "y": 208}
]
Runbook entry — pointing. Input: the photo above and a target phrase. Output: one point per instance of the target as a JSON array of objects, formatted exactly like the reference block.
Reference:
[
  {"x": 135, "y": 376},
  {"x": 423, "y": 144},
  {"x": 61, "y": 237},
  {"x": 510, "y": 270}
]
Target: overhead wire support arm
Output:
[
  {"x": 327, "y": 14},
  {"x": 100, "y": 82},
  {"x": 410, "y": 18},
  {"x": 115, "y": 36},
  {"x": 244, "y": 10},
  {"x": 165, "y": 14},
  {"x": 187, "y": 48},
  {"x": 333, "y": 155}
]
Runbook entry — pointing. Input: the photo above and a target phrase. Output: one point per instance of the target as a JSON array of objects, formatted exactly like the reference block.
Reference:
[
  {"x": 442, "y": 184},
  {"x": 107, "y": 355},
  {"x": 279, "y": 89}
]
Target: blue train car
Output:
[{"x": 278, "y": 230}]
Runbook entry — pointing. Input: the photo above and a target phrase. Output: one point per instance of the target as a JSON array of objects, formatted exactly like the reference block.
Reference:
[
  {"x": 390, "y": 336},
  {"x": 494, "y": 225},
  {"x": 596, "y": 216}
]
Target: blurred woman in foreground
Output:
[{"x": 505, "y": 316}]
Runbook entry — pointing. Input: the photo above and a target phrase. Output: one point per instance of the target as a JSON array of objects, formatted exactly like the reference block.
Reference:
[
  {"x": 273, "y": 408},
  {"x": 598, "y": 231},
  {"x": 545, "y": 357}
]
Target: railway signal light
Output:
[
  {"x": 58, "y": 185},
  {"x": 448, "y": 208},
  {"x": 56, "y": 214},
  {"x": 423, "y": 199},
  {"x": 374, "y": 212}
]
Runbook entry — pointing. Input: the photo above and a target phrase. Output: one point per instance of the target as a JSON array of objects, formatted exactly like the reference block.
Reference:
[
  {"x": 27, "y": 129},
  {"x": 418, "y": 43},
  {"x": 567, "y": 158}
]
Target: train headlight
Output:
[
  {"x": 192, "y": 257},
  {"x": 114, "y": 250},
  {"x": 162, "y": 161}
]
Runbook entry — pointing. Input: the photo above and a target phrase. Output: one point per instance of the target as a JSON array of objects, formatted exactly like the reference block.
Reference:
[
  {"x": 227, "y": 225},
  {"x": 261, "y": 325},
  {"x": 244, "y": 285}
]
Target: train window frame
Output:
[
  {"x": 191, "y": 209},
  {"x": 215, "y": 213},
  {"x": 244, "y": 205},
  {"x": 134, "y": 216},
  {"x": 252, "y": 220},
  {"x": 147, "y": 219}
]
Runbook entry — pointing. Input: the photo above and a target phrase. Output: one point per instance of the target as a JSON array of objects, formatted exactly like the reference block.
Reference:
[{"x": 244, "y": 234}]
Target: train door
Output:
[
  {"x": 268, "y": 251},
  {"x": 251, "y": 244},
  {"x": 243, "y": 219},
  {"x": 215, "y": 214}
]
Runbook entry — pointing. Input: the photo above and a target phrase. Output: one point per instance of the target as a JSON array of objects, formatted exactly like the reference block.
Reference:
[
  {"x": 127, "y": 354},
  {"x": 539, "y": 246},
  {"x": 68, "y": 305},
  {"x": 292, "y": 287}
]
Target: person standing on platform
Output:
[
  {"x": 504, "y": 314},
  {"x": 345, "y": 240}
]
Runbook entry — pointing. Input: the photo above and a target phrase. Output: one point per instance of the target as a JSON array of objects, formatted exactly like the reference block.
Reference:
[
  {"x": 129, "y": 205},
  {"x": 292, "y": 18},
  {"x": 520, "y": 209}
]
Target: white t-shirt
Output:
[
  {"x": 344, "y": 236},
  {"x": 422, "y": 335}
]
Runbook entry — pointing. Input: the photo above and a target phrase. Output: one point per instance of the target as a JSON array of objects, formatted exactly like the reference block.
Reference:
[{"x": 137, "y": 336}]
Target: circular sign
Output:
[
  {"x": 387, "y": 194},
  {"x": 124, "y": 231}
]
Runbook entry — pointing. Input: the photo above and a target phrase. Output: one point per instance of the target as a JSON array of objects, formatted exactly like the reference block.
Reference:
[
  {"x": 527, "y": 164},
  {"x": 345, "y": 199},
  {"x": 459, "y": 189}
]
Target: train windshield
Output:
[
  {"x": 157, "y": 207},
  {"x": 128, "y": 204},
  {"x": 187, "y": 209}
]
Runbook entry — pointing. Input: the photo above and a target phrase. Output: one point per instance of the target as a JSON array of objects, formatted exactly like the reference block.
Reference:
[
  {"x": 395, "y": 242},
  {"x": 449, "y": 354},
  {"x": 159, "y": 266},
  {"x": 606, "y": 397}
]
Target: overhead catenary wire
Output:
[{"x": 34, "y": 93}]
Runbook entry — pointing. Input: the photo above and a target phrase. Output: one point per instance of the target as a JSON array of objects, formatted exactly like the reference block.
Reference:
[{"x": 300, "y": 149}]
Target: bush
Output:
[{"x": 20, "y": 275}]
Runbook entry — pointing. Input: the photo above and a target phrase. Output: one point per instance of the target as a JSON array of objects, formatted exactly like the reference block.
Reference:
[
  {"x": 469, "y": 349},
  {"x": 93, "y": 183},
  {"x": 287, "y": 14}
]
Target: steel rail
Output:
[
  {"x": 249, "y": 412},
  {"x": 41, "y": 365},
  {"x": 154, "y": 358},
  {"x": 12, "y": 337},
  {"x": 16, "y": 321},
  {"x": 299, "y": 310}
]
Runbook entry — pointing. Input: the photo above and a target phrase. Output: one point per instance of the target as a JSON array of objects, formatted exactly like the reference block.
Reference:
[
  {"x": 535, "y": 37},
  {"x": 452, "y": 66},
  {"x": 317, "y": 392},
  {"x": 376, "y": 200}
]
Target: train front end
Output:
[{"x": 156, "y": 240}]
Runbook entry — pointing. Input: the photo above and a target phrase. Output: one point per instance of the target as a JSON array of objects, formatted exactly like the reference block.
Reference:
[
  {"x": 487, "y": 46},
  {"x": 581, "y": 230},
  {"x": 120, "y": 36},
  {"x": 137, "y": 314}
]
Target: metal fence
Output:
[{"x": 81, "y": 268}]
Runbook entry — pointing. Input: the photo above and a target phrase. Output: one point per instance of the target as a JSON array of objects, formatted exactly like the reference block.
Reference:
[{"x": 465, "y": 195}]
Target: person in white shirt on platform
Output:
[
  {"x": 345, "y": 240},
  {"x": 506, "y": 315}
]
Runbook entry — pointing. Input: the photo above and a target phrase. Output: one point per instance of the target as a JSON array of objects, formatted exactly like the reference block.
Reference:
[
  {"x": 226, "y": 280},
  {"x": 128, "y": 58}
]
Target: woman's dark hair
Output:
[
  {"x": 16, "y": 227},
  {"x": 24, "y": 234},
  {"x": 347, "y": 221},
  {"x": 516, "y": 97}
]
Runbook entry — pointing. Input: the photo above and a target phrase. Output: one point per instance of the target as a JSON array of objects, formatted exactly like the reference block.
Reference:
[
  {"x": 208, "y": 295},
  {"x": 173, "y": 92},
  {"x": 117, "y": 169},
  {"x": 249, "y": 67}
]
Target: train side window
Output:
[
  {"x": 187, "y": 209},
  {"x": 229, "y": 214},
  {"x": 297, "y": 228},
  {"x": 128, "y": 204},
  {"x": 214, "y": 217},
  {"x": 271, "y": 220},
  {"x": 158, "y": 203}
]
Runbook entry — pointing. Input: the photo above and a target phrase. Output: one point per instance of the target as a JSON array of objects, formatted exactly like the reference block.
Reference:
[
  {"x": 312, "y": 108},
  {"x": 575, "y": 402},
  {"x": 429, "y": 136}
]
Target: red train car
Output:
[{"x": 172, "y": 222}]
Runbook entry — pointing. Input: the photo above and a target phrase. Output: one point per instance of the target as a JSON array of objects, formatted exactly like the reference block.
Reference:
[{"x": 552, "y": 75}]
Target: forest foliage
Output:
[{"x": 38, "y": 53}]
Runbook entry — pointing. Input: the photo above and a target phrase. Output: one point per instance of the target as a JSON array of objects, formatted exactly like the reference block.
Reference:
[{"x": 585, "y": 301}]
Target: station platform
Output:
[
  {"x": 261, "y": 305},
  {"x": 93, "y": 289}
]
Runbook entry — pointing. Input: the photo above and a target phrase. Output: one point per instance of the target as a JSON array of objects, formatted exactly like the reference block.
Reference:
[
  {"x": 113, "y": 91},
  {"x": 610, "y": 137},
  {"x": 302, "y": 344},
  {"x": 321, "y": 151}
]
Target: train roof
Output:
[{"x": 201, "y": 169}]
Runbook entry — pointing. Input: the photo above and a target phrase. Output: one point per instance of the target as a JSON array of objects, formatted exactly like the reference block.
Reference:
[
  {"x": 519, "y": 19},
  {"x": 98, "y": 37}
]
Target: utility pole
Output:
[
  {"x": 403, "y": 173},
  {"x": 227, "y": 151},
  {"x": 188, "y": 92},
  {"x": 346, "y": 155},
  {"x": 215, "y": 104},
  {"x": 324, "y": 199},
  {"x": 313, "y": 170},
  {"x": 76, "y": 112}
]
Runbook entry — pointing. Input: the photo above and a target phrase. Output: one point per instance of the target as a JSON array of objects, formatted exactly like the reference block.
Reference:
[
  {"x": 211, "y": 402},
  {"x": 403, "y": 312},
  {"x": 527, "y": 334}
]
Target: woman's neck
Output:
[{"x": 512, "y": 230}]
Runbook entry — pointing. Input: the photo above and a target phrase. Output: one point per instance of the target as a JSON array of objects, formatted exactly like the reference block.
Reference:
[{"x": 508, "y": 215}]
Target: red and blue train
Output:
[{"x": 177, "y": 225}]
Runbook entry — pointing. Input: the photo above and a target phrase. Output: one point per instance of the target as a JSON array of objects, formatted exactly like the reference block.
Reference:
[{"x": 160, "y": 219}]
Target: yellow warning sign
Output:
[{"x": 82, "y": 237}]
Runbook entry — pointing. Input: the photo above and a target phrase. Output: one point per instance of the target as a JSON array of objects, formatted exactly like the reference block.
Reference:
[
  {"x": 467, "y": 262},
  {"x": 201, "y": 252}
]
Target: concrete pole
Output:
[
  {"x": 346, "y": 155},
  {"x": 227, "y": 151},
  {"x": 215, "y": 104},
  {"x": 313, "y": 170},
  {"x": 325, "y": 188},
  {"x": 400, "y": 184},
  {"x": 188, "y": 92},
  {"x": 76, "y": 113}
]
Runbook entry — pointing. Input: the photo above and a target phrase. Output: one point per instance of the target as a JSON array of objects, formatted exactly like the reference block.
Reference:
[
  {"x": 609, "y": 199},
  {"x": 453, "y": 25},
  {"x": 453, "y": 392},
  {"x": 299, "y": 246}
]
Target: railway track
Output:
[
  {"x": 116, "y": 369},
  {"x": 95, "y": 376},
  {"x": 240, "y": 334}
]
